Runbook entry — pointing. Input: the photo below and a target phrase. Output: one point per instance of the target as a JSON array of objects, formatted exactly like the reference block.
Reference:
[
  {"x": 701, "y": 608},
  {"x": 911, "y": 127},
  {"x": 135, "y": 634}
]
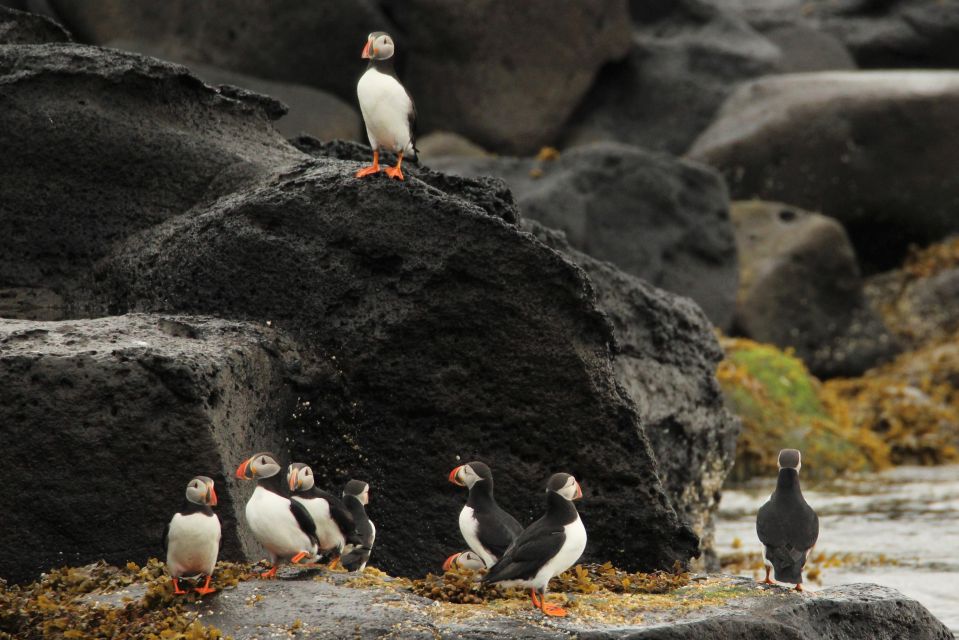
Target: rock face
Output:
[
  {"x": 155, "y": 142},
  {"x": 666, "y": 360},
  {"x": 106, "y": 420},
  {"x": 865, "y": 148},
  {"x": 662, "y": 219},
  {"x": 800, "y": 287},
  {"x": 20, "y": 27}
]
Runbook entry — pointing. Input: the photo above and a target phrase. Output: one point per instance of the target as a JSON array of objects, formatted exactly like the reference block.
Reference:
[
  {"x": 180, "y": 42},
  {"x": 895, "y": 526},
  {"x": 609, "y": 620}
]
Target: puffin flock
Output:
[{"x": 298, "y": 523}]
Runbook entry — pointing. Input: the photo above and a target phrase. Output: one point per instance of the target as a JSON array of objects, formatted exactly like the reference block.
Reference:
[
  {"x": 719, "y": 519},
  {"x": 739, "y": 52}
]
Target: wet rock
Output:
[
  {"x": 662, "y": 219},
  {"x": 20, "y": 27},
  {"x": 118, "y": 414},
  {"x": 865, "y": 148},
  {"x": 800, "y": 287},
  {"x": 155, "y": 141}
]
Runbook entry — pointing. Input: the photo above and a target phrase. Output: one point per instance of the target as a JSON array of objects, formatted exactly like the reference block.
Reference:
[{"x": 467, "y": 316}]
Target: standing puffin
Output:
[
  {"x": 192, "y": 537},
  {"x": 387, "y": 107},
  {"x": 546, "y": 548},
  {"x": 334, "y": 523},
  {"x": 487, "y": 529},
  {"x": 786, "y": 525},
  {"x": 282, "y": 526},
  {"x": 356, "y": 495}
]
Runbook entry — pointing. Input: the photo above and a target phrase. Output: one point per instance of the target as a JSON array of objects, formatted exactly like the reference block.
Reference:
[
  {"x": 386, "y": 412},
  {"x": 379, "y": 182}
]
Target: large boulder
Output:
[
  {"x": 800, "y": 287},
  {"x": 21, "y": 27},
  {"x": 99, "y": 144},
  {"x": 106, "y": 420},
  {"x": 439, "y": 331},
  {"x": 653, "y": 216},
  {"x": 866, "y": 148}
]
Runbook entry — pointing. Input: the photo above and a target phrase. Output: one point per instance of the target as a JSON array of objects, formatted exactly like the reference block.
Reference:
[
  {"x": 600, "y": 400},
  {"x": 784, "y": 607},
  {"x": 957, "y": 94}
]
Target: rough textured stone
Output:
[
  {"x": 155, "y": 141},
  {"x": 119, "y": 413},
  {"x": 800, "y": 287},
  {"x": 804, "y": 48},
  {"x": 20, "y": 27},
  {"x": 866, "y": 148},
  {"x": 662, "y": 219}
]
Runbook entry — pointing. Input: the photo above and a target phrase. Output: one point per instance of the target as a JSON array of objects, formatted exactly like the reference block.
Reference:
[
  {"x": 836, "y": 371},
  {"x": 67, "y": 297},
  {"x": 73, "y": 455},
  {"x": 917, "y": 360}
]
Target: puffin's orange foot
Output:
[
  {"x": 177, "y": 591},
  {"x": 767, "y": 581},
  {"x": 394, "y": 172},
  {"x": 799, "y": 588},
  {"x": 368, "y": 171},
  {"x": 534, "y": 598},
  {"x": 205, "y": 590},
  {"x": 269, "y": 575},
  {"x": 553, "y": 610}
]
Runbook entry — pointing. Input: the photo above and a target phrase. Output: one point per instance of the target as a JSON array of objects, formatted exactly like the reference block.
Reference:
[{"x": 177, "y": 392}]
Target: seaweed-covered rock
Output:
[
  {"x": 865, "y": 148},
  {"x": 800, "y": 287},
  {"x": 21, "y": 27},
  {"x": 653, "y": 216},
  {"x": 106, "y": 420}
]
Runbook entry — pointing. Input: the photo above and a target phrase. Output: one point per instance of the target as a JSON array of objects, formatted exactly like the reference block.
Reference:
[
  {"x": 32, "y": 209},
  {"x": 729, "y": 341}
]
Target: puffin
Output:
[
  {"x": 786, "y": 525},
  {"x": 333, "y": 522},
  {"x": 487, "y": 529},
  {"x": 388, "y": 109},
  {"x": 464, "y": 560},
  {"x": 192, "y": 537},
  {"x": 283, "y": 526},
  {"x": 546, "y": 548},
  {"x": 356, "y": 495}
]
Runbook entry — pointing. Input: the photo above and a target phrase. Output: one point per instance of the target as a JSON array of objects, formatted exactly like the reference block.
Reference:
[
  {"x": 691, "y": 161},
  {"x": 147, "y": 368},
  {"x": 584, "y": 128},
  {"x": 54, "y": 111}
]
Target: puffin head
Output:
[
  {"x": 300, "y": 477},
  {"x": 261, "y": 465},
  {"x": 466, "y": 475},
  {"x": 464, "y": 560},
  {"x": 565, "y": 485},
  {"x": 200, "y": 491},
  {"x": 790, "y": 459},
  {"x": 379, "y": 46},
  {"x": 358, "y": 489}
]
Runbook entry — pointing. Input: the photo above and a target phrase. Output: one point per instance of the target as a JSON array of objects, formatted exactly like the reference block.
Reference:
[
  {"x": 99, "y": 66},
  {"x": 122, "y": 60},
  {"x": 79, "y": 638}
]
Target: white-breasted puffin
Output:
[
  {"x": 388, "y": 109},
  {"x": 334, "y": 522},
  {"x": 356, "y": 495},
  {"x": 284, "y": 527},
  {"x": 192, "y": 537},
  {"x": 486, "y": 527},
  {"x": 546, "y": 548},
  {"x": 786, "y": 525}
]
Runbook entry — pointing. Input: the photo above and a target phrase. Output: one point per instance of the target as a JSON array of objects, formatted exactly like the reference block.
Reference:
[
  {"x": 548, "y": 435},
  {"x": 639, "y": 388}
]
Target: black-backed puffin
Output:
[
  {"x": 786, "y": 525},
  {"x": 487, "y": 529},
  {"x": 283, "y": 527},
  {"x": 546, "y": 548},
  {"x": 356, "y": 495},
  {"x": 388, "y": 109},
  {"x": 334, "y": 523},
  {"x": 192, "y": 537}
]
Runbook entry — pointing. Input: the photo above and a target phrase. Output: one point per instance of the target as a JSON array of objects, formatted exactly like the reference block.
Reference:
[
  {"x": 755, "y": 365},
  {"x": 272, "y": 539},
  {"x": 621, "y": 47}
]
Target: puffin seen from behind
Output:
[
  {"x": 786, "y": 525},
  {"x": 356, "y": 495},
  {"x": 546, "y": 548},
  {"x": 486, "y": 527},
  {"x": 284, "y": 527},
  {"x": 333, "y": 521},
  {"x": 192, "y": 537},
  {"x": 388, "y": 109}
]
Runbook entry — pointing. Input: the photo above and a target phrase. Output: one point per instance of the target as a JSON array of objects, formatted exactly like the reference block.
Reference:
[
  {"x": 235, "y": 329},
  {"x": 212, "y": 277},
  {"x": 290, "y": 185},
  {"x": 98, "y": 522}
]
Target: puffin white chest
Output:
[
  {"x": 469, "y": 527},
  {"x": 193, "y": 543},
  {"x": 327, "y": 532},
  {"x": 274, "y": 526},
  {"x": 568, "y": 554},
  {"x": 386, "y": 109}
]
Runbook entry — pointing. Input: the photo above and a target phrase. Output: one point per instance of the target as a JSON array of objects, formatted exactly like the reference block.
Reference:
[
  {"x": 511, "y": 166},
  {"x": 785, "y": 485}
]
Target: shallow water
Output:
[{"x": 902, "y": 526}]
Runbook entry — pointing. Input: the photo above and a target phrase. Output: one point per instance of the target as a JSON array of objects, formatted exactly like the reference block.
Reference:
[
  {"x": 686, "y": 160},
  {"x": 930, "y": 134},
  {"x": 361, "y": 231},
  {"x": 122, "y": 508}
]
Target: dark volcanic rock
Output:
[
  {"x": 666, "y": 360},
  {"x": 866, "y": 148},
  {"x": 440, "y": 332},
  {"x": 99, "y": 144},
  {"x": 800, "y": 287},
  {"x": 662, "y": 219},
  {"x": 118, "y": 414},
  {"x": 20, "y": 27}
]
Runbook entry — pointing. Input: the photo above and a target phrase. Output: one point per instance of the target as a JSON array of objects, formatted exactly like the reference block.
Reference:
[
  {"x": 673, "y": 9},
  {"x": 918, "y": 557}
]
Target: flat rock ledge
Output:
[{"x": 319, "y": 604}]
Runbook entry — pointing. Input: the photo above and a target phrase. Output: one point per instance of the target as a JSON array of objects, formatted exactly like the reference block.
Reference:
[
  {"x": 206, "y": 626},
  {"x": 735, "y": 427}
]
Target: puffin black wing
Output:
[
  {"x": 788, "y": 532},
  {"x": 412, "y": 121},
  {"x": 528, "y": 553},
  {"x": 497, "y": 530},
  {"x": 304, "y": 519}
]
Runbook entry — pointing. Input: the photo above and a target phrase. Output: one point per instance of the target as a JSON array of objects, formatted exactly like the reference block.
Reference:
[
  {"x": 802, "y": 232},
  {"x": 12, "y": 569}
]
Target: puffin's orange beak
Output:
[
  {"x": 454, "y": 479},
  {"x": 242, "y": 469},
  {"x": 293, "y": 480},
  {"x": 448, "y": 564},
  {"x": 211, "y": 497},
  {"x": 579, "y": 492},
  {"x": 366, "y": 49}
]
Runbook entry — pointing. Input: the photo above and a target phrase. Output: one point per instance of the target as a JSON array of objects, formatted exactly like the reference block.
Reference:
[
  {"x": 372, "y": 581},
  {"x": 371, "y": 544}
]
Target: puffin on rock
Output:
[
  {"x": 192, "y": 537},
  {"x": 546, "y": 548},
  {"x": 786, "y": 525},
  {"x": 334, "y": 523},
  {"x": 486, "y": 527},
  {"x": 387, "y": 107},
  {"x": 356, "y": 495},
  {"x": 464, "y": 560},
  {"x": 283, "y": 526}
]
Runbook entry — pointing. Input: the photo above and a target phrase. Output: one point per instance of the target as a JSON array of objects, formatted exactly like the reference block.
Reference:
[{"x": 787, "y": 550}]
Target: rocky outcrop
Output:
[
  {"x": 662, "y": 219},
  {"x": 800, "y": 287},
  {"x": 21, "y": 27},
  {"x": 865, "y": 148},
  {"x": 106, "y": 420}
]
